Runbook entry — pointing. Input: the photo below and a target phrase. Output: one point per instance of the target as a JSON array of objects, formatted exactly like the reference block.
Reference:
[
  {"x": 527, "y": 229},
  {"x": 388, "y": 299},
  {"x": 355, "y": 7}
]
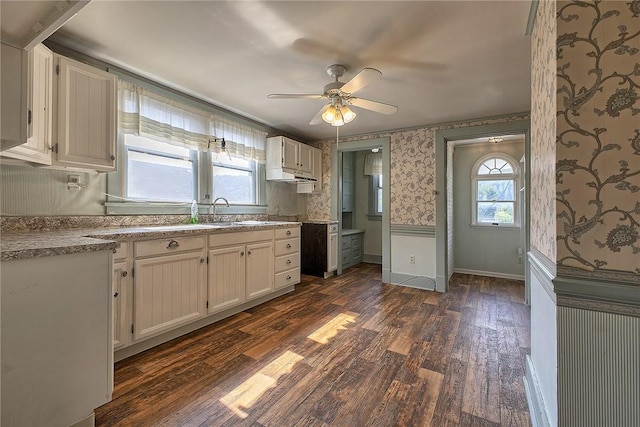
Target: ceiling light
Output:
[
  {"x": 495, "y": 139},
  {"x": 338, "y": 114}
]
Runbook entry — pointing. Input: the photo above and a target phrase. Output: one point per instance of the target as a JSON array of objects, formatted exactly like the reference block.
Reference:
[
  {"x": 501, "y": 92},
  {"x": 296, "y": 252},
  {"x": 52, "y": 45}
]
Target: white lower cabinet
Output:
[
  {"x": 287, "y": 253},
  {"x": 240, "y": 268},
  {"x": 226, "y": 277},
  {"x": 121, "y": 292},
  {"x": 169, "y": 290}
]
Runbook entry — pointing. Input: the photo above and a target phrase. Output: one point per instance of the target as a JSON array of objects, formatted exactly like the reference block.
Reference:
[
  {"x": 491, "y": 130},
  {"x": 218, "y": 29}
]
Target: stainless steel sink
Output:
[{"x": 222, "y": 223}]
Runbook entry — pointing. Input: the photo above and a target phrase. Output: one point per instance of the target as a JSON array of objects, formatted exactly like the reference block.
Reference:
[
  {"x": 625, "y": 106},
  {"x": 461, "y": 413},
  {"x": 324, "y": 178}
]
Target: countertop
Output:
[
  {"x": 321, "y": 221},
  {"x": 350, "y": 231},
  {"x": 15, "y": 246}
]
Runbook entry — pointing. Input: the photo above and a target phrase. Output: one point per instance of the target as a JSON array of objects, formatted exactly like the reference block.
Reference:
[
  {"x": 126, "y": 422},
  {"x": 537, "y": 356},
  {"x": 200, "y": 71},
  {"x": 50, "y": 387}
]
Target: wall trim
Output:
[
  {"x": 544, "y": 269},
  {"x": 606, "y": 275},
  {"x": 372, "y": 259},
  {"x": 598, "y": 295},
  {"x": 489, "y": 274},
  {"x": 413, "y": 230},
  {"x": 537, "y": 410},
  {"x": 412, "y": 281}
]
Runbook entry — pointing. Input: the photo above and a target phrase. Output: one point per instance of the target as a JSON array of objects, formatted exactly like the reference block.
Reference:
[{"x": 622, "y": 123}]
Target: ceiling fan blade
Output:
[
  {"x": 317, "y": 119},
  {"x": 363, "y": 78},
  {"x": 376, "y": 106},
  {"x": 294, "y": 96}
]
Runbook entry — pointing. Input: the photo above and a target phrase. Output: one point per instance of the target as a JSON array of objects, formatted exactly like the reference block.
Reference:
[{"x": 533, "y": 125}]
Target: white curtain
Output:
[
  {"x": 373, "y": 163},
  {"x": 154, "y": 116}
]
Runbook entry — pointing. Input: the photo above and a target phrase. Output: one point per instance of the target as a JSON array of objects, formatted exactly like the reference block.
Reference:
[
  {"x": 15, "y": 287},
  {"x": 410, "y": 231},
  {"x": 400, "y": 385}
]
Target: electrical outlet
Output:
[
  {"x": 412, "y": 259},
  {"x": 73, "y": 182}
]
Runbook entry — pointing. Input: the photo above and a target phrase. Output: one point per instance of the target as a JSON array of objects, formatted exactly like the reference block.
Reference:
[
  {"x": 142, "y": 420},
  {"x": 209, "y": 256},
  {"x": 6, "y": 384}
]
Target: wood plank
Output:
[{"x": 409, "y": 357}]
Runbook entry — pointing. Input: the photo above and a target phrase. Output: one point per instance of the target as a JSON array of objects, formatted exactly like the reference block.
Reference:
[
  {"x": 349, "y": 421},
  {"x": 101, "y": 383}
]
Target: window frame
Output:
[
  {"x": 375, "y": 186},
  {"x": 117, "y": 203},
  {"x": 476, "y": 178}
]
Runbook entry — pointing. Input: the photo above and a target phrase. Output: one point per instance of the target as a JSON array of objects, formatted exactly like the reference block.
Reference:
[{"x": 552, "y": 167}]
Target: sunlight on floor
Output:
[
  {"x": 331, "y": 328},
  {"x": 247, "y": 394}
]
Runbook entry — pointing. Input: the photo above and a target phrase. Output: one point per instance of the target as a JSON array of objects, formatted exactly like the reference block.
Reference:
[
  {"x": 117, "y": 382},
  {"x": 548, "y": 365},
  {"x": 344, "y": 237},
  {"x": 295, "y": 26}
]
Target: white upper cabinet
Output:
[
  {"x": 14, "y": 88},
  {"x": 37, "y": 149},
  {"x": 288, "y": 159},
  {"x": 85, "y": 132}
]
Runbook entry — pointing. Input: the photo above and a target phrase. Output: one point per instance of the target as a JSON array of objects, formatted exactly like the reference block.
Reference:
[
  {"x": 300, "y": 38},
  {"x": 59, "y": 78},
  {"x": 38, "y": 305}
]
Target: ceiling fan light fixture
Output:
[
  {"x": 330, "y": 114},
  {"x": 347, "y": 114}
]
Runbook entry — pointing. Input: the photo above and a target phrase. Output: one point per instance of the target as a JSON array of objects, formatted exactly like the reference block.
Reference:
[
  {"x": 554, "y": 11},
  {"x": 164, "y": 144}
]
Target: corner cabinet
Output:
[
  {"x": 38, "y": 147},
  {"x": 85, "y": 127}
]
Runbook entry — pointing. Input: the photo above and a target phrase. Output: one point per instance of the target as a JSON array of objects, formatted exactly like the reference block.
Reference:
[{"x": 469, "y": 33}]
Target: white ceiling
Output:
[{"x": 441, "y": 60}]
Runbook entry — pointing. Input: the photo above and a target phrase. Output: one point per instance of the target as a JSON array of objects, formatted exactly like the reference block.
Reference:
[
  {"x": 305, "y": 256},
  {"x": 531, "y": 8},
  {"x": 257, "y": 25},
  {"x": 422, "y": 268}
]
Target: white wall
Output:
[
  {"x": 544, "y": 347},
  {"x": 422, "y": 273}
]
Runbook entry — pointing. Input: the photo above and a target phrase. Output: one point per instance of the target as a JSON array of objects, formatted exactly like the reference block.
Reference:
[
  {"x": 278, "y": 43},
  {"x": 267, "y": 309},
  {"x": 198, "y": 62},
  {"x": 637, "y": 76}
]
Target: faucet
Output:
[{"x": 214, "y": 206}]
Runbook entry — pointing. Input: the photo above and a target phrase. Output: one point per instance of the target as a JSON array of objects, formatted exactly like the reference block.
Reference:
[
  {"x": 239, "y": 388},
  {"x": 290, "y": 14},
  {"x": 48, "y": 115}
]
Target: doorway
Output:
[
  {"x": 445, "y": 145},
  {"x": 337, "y": 201}
]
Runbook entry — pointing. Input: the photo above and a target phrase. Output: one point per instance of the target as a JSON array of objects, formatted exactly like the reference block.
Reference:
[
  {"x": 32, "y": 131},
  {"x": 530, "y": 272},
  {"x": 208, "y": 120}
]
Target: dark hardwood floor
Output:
[{"x": 347, "y": 351}]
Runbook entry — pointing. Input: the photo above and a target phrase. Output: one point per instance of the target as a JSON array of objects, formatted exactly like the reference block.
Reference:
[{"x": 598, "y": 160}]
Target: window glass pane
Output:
[
  {"x": 496, "y": 212},
  {"x": 379, "y": 201},
  {"x": 159, "y": 178},
  {"x": 495, "y": 166},
  {"x": 506, "y": 169},
  {"x": 502, "y": 189},
  {"x": 223, "y": 159},
  {"x": 235, "y": 185}
]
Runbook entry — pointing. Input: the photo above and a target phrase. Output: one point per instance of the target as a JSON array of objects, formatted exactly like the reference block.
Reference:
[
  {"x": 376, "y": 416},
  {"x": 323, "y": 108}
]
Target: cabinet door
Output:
[
  {"x": 332, "y": 255},
  {"x": 317, "y": 170},
  {"x": 38, "y": 146},
  {"x": 226, "y": 277},
  {"x": 305, "y": 159},
  {"x": 290, "y": 154},
  {"x": 86, "y": 116},
  {"x": 121, "y": 289},
  {"x": 13, "y": 85},
  {"x": 169, "y": 292},
  {"x": 259, "y": 269}
]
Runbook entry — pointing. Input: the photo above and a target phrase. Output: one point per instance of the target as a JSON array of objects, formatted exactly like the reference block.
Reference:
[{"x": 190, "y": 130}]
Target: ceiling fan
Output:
[{"x": 337, "y": 111}]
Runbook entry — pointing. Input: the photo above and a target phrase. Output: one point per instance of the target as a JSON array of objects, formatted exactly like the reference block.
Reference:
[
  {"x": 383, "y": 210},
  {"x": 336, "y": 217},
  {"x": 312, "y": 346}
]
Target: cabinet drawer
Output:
[
  {"x": 287, "y": 262},
  {"x": 233, "y": 238},
  {"x": 122, "y": 252},
  {"x": 286, "y": 233},
  {"x": 167, "y": 246},
  {"x": 333, "y": 228},
  {"x": 286, "y": 278},
  {"x": 288, "y": 246},
  {"x": 346, "y": 242},
  {"x": 356, "y": 241},
  {"x": 356, "y": 253}
]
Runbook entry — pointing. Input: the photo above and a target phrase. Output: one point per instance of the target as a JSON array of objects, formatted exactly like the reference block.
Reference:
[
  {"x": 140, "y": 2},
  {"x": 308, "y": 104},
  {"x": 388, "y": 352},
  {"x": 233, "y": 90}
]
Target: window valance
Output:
[
  {"x": 158, "y": 117},
  {"x": 373, "y": 163}
]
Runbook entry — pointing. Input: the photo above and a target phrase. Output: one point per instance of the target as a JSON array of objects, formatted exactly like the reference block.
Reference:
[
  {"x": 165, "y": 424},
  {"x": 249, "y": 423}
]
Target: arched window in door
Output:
[{"x": 495, "y": 193}]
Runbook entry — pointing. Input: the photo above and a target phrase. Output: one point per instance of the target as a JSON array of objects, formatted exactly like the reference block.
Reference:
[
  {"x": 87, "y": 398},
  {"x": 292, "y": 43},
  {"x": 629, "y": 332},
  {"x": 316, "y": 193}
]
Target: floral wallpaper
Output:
[
  {"x": 598, "y": 136},
  {"x": 543, "y": 131},
  {"x": 412, "y": 180}
]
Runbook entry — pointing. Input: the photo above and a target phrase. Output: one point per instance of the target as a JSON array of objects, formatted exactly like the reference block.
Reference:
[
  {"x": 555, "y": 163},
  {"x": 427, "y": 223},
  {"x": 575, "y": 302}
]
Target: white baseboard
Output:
[
  {"x": 412, "y": 281},
  {"x": 489, "y": 274},
  {"x": 372, "y": 259},
  {"x": 537, "y": 410}
]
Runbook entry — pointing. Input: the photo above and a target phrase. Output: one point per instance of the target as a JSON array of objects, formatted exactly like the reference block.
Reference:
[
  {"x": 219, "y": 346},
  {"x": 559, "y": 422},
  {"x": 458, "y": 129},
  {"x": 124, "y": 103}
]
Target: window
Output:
[
  {"x": 375, "y": 196},
  {"x": 234, "y": 179},
  {"x": 158, "y": 171},
  {"x": 494, "y": 191}
]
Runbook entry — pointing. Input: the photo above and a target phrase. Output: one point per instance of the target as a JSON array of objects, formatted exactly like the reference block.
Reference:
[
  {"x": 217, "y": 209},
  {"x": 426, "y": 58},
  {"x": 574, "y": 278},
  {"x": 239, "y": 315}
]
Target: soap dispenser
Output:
[{"x": 194, "y": 212}]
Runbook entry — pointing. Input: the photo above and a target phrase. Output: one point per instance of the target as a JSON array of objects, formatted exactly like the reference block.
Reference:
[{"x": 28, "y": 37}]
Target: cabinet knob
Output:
[
  {"x": 125, "y": 274},
  {"x": 248, "y": 252},
  {"x": 288, "y": 245},
  {"x": 288, "y": 277},
  {"x": 113, "y": 157},
  {"x": 288, "y": 261},
  {"x": 201, "y": 260},
  {"x": 241, "y": 253},
  {"x": 115, "y": 295},
  {"x": 288, "y": 232},
  {"x": 115, "y": 251},
  {"x": 172, "y": 244}
]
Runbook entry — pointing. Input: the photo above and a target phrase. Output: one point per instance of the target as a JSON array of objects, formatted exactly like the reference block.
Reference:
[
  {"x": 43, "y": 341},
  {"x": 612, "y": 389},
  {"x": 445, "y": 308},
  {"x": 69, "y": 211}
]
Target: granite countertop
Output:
[
  {"x": 40, "y": 244},
  {"x": 350, "y": 231},
  {"x": 320, "y": 221}
]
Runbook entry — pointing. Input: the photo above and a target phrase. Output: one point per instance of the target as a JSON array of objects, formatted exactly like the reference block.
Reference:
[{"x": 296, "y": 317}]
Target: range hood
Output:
[{"x": 280, "y": 174}]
